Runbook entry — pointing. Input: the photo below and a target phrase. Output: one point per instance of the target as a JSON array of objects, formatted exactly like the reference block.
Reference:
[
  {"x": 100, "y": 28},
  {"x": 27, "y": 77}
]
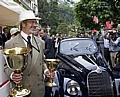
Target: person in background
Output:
[
  {"x": 14, "y": 32},
  {"x": 117, "y": 41},
  {"x": 57, "y": 40},
  {"x": 106, "y": 48},
  {"x": 3, "y": 39},
  {"x": 49, "y": 46},
  {"x": 6, "y": 32},
  {"x": 116, "y": 45},
  {"x": 32, "y": 77},
  {"x": 53, "y": 40}
]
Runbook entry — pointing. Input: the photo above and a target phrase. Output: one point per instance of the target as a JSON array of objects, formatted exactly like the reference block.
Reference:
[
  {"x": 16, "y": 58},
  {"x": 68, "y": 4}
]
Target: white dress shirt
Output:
[
  {"x": 24, "y": 35},
  {"x": 106, "y": 43}
]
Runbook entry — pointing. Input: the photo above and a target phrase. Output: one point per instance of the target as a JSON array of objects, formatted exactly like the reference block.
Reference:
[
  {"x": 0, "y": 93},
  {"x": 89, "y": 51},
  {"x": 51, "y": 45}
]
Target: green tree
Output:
[
  {"x": 62, "y": 28},
  {"x": 54, "y": 14},
  {"x": 86, "y": 9}
]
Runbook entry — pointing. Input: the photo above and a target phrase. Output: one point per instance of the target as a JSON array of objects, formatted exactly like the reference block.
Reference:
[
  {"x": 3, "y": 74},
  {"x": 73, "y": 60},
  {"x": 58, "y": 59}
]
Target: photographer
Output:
[
  {"x": 106, "y": 48},
  {"x": 114, "y": 46},
  {"x": 117, "y": 41}
]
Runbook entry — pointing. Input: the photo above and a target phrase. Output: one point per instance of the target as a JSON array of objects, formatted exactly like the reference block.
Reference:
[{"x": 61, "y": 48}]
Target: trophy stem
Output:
[
  {"x": 18, "y": 87},
  {"x": 18, "y": 71}
]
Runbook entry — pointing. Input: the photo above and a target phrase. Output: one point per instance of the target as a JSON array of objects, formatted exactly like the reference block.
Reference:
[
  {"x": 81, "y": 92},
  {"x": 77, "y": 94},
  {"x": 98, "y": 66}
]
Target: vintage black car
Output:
[{"x": 83, "y": 71}]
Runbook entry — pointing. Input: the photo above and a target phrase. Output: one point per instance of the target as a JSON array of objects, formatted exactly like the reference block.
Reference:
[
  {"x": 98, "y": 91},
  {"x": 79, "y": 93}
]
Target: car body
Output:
[{"x": 83, "y": 71}]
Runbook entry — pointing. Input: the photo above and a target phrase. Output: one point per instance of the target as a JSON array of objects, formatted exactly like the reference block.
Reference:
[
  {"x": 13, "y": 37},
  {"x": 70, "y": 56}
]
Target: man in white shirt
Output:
[{"x": 106, "y": 49}]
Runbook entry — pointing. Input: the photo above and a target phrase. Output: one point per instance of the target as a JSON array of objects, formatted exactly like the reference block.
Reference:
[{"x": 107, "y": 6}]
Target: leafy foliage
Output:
[
  {"x": 103, "y": 9},
  {"x": 54, "y": 14},
  {"x": 62, "y": 28}
]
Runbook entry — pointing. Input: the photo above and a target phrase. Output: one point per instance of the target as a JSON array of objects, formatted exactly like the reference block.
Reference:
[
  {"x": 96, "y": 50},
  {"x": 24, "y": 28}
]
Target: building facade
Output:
[
  {"x": 29, "y": 4},
  {"x": 12, "y": 9}
]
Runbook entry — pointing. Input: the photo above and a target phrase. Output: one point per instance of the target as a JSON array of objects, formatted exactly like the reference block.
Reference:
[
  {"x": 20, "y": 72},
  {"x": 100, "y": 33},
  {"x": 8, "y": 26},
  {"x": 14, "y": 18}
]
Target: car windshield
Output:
[{"x": 77, "y": 46}]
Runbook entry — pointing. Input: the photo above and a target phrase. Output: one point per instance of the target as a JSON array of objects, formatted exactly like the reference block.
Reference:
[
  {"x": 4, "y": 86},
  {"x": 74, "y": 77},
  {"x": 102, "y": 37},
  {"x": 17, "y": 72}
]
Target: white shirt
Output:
[
  {"x": 117, "y": 41},
  {"x": 56, "y": 43},
  {"x": 24, "y": 35},
  {"x": 106, "y": 43}
]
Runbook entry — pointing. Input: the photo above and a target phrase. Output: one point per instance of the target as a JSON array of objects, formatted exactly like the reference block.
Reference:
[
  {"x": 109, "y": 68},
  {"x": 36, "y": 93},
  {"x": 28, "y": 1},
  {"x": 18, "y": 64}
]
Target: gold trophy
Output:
[
  {"x": 52, "y": 65},
  {"x": 16, "y": 62}
]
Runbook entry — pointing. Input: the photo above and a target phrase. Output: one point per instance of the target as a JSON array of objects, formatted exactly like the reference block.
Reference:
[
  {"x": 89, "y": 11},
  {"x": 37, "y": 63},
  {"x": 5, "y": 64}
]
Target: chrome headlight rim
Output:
[{"x": 72, "y": 88}]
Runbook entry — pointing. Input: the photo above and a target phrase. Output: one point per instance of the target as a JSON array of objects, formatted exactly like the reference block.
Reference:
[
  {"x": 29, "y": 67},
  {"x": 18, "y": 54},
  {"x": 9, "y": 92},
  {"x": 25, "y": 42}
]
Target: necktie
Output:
[
  {"x": 29, "y": 42},
  {"x": 29, "y": 45}
]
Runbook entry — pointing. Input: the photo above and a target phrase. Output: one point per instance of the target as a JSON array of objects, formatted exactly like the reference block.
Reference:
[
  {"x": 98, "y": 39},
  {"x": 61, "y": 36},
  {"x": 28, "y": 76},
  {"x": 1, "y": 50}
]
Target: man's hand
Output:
[{"x": 16, "y": 77}]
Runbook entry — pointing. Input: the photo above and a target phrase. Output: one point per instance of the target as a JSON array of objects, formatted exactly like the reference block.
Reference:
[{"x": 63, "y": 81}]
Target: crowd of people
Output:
[
  {"x": 112, "y": 47},
  {"x": 108, "y": 41}
]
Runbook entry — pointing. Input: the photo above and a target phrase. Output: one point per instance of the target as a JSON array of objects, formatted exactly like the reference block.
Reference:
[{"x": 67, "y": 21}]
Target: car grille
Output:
[{"x": 99, "y": 85}]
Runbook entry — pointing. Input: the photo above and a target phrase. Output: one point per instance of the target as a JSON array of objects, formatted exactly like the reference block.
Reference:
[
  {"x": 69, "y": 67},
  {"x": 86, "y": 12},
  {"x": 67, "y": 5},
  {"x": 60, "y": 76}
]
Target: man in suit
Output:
[
  {"x": 32, "y": 76},
  {"x": 49, "y": 44},
  {"x": 3, "y": 39}
]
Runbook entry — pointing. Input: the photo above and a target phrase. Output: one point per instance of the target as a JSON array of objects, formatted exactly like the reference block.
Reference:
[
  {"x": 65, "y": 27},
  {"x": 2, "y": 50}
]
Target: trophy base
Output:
[{"x": 20, "y": 93}]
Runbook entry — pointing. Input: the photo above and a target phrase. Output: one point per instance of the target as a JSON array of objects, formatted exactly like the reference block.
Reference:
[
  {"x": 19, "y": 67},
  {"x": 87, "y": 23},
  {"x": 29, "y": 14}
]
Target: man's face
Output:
[
  {"x": 29, "y": 26},
  {"x": 41, "y": 33}
]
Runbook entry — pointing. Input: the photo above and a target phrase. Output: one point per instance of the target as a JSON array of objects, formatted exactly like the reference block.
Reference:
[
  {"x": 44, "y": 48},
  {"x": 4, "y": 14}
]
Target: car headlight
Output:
[{"x": 73, "y": 88}]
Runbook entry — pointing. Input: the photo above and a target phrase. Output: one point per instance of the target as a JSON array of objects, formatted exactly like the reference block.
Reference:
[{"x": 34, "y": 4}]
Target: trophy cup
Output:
[
  {"x": 52, "y": 65},
  {"x": 16, "y": 62}
]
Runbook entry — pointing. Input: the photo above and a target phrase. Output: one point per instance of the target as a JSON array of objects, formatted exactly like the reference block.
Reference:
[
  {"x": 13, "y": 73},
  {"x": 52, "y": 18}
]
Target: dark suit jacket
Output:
[
  {"x": 3, "y": 39},
  {"x": 49, "y": 48},
  {"x": 33, "y": 73}
]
